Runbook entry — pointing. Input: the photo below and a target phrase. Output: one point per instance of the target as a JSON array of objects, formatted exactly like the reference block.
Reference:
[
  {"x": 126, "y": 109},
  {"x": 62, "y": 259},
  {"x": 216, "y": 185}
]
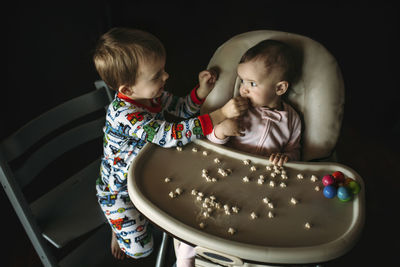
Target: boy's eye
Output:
[
  {"x": 253, "y": 84},
  {"x": 241, "y": 80}
]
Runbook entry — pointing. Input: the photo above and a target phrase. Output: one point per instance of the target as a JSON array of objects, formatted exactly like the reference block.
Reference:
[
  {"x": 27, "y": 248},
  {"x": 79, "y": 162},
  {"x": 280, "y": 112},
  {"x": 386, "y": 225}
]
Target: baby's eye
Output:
[
  {"x": 253, "y": 84},
  {"x": 241, "y": 80}
]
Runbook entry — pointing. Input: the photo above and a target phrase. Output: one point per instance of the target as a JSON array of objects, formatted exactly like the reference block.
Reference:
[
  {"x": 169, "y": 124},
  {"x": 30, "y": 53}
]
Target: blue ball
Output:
[
  {"x": 344, "y": 194},
  {"x": 330, "y": 191}
]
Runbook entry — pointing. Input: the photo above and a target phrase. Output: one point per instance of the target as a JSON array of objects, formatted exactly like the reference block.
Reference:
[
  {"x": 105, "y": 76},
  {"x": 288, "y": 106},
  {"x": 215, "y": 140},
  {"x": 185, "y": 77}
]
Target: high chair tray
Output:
[{"x": 308, "y": 229}]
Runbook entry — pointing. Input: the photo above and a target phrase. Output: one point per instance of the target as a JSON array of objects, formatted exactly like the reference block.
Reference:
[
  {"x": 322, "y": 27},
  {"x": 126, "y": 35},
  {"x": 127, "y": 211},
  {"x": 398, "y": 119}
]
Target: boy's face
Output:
[
  {"x": 151, "y": 79},
  {"x": 257, "y": 84}
]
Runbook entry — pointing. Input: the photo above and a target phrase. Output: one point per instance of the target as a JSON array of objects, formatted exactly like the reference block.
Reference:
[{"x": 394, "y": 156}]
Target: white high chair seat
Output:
[{"x": 318, "y": 94}]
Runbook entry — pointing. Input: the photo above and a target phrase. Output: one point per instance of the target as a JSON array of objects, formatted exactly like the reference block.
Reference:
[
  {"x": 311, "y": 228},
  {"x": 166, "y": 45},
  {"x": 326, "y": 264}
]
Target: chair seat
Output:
[{"x": 64, "y": 214}]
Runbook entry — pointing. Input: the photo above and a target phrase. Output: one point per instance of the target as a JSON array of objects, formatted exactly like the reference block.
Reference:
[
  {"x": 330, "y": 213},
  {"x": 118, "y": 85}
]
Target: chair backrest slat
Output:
[
  {"x": 17, "y": 144},
  {"x": 57, "y": 147}
]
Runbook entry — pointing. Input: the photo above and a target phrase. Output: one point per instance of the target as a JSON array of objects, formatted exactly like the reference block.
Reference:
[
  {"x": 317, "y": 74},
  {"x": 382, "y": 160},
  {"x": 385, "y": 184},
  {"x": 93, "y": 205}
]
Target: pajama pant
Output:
[{"x": 131, "y": 228}]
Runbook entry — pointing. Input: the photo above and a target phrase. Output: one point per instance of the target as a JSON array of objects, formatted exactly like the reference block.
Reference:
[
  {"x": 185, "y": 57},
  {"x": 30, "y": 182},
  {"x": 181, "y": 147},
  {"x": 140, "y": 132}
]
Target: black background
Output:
[{"x": 49, "y": 49}]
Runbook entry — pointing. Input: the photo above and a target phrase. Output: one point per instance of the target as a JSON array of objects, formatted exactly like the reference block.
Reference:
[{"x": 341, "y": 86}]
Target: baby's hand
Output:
[
  {"x": 235, "y": 107},
  {"x": 207, "y": 79},
  {"x": 229, "y": 127},
  {"x": 278, "y": 159}
]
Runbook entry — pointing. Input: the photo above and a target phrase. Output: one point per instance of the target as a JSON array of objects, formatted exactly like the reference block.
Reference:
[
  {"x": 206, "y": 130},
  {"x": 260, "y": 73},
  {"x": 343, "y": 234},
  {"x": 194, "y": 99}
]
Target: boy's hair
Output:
[
  {"x": 275, "y": 54},
  {"x": 119, "y": 51}
]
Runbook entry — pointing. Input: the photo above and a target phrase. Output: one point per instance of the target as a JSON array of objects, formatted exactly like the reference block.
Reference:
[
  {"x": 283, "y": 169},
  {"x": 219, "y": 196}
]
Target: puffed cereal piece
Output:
[
  {"x": 300, "y": 176},
  {"x": 178, "y": 191},
  {"x": 167, "y": 179},
  {"x": 271, "y": 183},
  {"x": 271, "y": 215},
  {"x": 294, "y": 201},
  {"x": 313, "y": 178},
  {"x": 246, "y": 162},
  {"x": 231, "y": 231},
  {"x": 194, "y": 149},
  {"x": 179, "y": 148},
  {"x": 307, "y": 225},
  {"x": 253, "y": 215},
  {"x": 202, "y": 225},
  {"x": 266, "y": 200},
  {"x": 253, "y": 168},
  {"x": 172, "y": 194},
  {"x": 235, "y": 209},
  {"x": 246, "y": 179},
  {"x": 217, "y": 160}
]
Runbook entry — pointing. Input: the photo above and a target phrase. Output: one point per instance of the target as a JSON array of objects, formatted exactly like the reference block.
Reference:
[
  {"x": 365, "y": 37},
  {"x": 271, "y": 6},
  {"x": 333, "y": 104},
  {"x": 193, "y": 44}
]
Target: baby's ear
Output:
[{"x": 281, "y": 87}]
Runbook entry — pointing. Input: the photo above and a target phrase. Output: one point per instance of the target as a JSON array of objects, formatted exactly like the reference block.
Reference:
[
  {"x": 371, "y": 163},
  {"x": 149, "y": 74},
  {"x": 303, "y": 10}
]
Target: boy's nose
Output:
[{"x": 165, "y": 76}]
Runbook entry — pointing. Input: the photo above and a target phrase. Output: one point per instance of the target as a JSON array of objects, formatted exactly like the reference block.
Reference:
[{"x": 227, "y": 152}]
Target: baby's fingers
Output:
[{"x": 282, "y": 160}]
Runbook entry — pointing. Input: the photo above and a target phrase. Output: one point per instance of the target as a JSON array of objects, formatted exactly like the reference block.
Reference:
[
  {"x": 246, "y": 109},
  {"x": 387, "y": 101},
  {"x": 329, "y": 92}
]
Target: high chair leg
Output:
[{"x": 163, "y": 250}]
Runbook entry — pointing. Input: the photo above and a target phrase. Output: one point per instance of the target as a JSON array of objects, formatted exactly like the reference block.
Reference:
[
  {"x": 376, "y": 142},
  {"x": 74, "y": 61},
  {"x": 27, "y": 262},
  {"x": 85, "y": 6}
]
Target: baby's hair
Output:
[
  {"x": 119, "y": 52},
  {"x": 275, "y": 54}
]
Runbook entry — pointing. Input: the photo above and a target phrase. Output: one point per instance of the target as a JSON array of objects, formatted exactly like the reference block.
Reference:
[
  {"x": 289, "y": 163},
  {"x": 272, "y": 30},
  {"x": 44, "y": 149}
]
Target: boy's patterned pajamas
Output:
[{"x": 129, "y": 126}]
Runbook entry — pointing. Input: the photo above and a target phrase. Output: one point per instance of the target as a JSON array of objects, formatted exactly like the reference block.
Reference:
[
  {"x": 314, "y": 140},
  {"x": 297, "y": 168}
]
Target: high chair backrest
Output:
[{"x": 317, "y": 95}]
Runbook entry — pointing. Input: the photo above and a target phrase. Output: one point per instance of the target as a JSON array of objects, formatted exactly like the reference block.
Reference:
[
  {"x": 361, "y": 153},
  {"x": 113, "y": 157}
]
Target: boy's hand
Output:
[
  {"x": 235, "y": 107},
  {"x": 207, "y": 79},
  {"x": 278, "y": 159},
  {"x": 229, "y": 127}
]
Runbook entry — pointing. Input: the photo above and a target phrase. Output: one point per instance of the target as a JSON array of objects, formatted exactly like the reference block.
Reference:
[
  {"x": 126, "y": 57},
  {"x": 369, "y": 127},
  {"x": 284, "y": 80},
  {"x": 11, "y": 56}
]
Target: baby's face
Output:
[
  {"x": 151, "y": 79},
  {"x": 257, "y": 84}
]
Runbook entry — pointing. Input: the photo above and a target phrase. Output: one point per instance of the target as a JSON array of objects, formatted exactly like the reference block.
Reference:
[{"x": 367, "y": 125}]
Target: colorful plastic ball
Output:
[
  {"x": 328, "y": 180},
  {"x": 354, "y": 187},
  {"x": 339, "y": 176},
  {"x": 330, "y": 191},
  {"x": 347, "y": 181},
  {"x": 344, "y": 194}
]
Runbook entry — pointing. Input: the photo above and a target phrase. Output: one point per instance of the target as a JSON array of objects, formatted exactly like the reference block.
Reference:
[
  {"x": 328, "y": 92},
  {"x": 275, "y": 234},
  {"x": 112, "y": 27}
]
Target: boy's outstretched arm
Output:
[{"x": 232, "y": 109}]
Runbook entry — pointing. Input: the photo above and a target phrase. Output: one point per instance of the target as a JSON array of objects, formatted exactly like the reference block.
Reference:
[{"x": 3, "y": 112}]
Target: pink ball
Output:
[{"x": 328, "y": 180}]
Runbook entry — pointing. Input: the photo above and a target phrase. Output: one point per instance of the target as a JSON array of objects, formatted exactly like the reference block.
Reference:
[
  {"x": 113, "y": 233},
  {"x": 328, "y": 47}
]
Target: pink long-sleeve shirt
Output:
[{"x": 267, "y": 131}]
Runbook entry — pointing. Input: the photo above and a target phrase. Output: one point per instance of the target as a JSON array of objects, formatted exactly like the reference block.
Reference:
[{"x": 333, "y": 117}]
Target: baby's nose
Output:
[{"x": 243, "y": 90}]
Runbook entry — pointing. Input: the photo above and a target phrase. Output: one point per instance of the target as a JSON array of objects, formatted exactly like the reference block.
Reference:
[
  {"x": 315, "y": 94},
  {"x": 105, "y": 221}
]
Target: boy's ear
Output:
[
  {"x": 281, "y": 87},
  {"x": 125, "y": 90}
]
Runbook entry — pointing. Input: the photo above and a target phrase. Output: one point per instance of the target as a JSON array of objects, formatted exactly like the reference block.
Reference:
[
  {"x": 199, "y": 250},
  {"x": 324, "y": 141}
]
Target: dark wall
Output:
[{"x": 49, "y": 47}]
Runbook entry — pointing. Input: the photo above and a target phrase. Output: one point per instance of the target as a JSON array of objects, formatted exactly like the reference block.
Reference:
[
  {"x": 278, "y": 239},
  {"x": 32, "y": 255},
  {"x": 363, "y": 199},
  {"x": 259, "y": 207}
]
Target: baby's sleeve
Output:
[
  {"x": 215, "y": 139},
  {"x": 183, "y": 107}
]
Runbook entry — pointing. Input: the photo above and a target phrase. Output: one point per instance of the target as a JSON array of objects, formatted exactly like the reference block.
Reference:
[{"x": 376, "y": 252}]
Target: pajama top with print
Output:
[{"x": 130, "y": 125}]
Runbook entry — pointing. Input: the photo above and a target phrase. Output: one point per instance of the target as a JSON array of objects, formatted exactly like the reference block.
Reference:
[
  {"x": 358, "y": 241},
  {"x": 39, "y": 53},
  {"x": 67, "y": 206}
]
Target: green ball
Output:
[{"x": 354, "y": 187}]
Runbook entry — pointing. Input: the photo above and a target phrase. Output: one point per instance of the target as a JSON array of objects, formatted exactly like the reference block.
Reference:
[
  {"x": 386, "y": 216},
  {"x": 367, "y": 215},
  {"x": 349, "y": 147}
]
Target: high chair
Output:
[{"x": 317, "y": 95}]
